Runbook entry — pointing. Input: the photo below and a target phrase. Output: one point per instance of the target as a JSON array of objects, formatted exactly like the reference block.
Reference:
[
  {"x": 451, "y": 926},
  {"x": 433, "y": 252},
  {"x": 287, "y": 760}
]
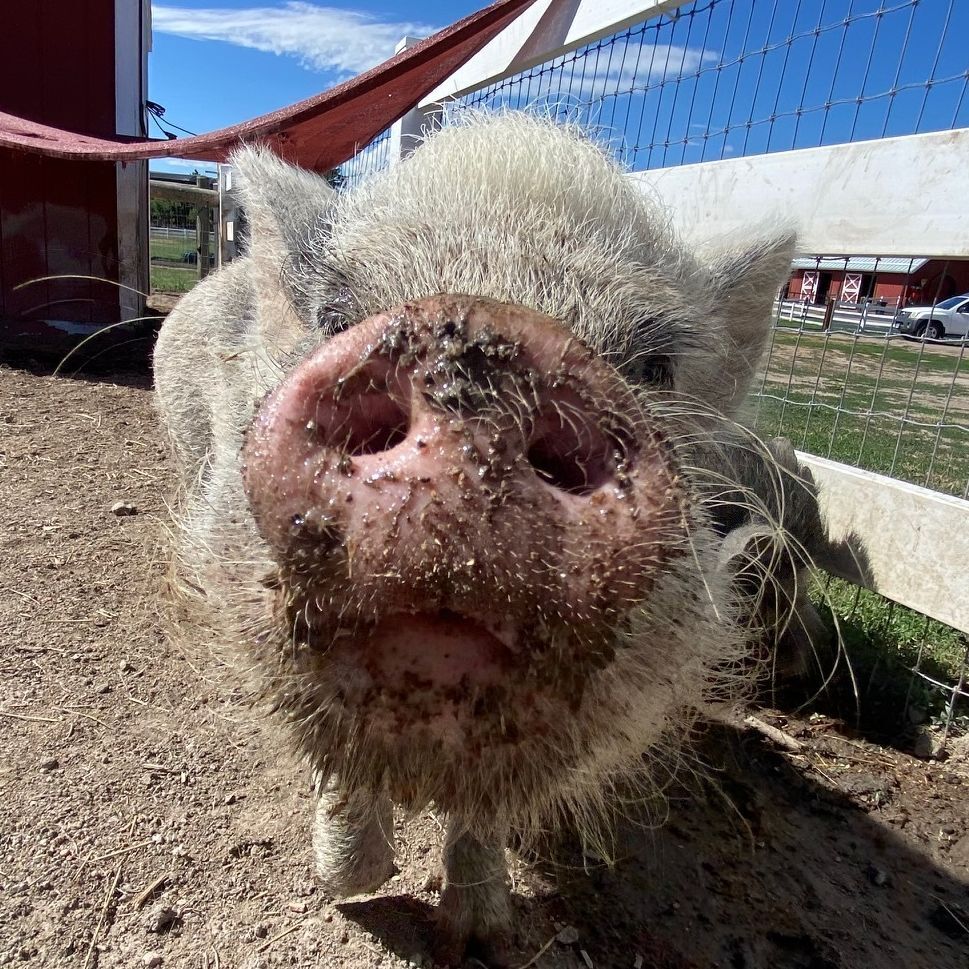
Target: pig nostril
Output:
[
  {"x": 364, "y": 412},
  {"x": 563, "y": 471},
  {"x": 570, "y": 456},
  {"x": 373, "y": 423}
]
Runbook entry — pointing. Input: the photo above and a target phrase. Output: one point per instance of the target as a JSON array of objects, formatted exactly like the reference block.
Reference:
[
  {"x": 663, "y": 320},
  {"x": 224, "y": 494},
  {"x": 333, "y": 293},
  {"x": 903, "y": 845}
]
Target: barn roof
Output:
[
  {"x": 318, "y": 133},
  {"x": 861, "y": 264}
]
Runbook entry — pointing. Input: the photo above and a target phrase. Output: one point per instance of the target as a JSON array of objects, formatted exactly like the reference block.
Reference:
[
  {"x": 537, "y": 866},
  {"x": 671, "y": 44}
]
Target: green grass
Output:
[
  {"x": 884, "y": 406},
  {"x": 170, "y": 248},
  {"x": 883, "y": 643},
  {"x": 936, "y": 458},
  {"x": 879, "y": 406},
  {"x": 867, "y": 612},
  {"x": 896, "y": 351},
  {"x": 167, "y": 279},
  {"x": 169, "y": 274}
]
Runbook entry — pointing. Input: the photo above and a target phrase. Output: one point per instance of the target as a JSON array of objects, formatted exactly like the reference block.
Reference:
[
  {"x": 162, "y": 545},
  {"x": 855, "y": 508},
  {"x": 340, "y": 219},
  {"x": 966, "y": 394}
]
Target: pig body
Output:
[{"x": 460, "y": 463}]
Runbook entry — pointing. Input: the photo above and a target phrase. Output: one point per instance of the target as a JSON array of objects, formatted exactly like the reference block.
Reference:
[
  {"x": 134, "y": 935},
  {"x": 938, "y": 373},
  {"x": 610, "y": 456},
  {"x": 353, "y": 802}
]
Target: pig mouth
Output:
[
  {"x": 443, "y": 676},
  {"x": 445, "y": 650},
  {"x": 428, "y": 679}
]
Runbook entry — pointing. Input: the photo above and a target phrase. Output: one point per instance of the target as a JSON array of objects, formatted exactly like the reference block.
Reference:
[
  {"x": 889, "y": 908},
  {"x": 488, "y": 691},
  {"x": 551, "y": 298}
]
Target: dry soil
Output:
[{"x": 149, "y": 818}]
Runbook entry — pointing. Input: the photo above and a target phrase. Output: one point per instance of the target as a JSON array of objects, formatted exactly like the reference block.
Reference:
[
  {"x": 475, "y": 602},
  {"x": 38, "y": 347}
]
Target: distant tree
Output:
[{"x": 171, "y": 213}]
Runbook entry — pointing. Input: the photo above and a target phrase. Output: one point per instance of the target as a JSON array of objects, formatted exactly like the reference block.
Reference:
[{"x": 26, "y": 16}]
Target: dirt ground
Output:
[
  {"x": 938, "y": 388},
  {"x": 148, "y": 818}
]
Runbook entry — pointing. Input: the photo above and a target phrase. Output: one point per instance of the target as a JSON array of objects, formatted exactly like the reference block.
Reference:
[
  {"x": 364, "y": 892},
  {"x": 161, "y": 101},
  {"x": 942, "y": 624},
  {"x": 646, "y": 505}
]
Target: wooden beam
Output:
[
  {"x": 901, "y": 196},
  {"x": 178, "y": 192},
  {"x": 916, "y": 540}
]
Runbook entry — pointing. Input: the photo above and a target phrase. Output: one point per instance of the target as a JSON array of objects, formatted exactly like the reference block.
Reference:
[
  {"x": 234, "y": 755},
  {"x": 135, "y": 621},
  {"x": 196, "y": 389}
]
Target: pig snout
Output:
[{"x": 454, "y": 492}]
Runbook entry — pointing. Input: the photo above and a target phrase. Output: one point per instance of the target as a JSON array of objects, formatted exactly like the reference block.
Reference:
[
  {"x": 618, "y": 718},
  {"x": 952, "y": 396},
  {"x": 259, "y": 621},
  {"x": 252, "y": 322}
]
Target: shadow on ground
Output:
[{"x": 769, "y": 865}]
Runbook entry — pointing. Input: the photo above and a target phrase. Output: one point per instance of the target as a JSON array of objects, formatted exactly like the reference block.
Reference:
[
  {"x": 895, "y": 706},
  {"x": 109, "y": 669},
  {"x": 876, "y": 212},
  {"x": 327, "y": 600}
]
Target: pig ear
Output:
[
  {"x": 743, "y": 284},
  {"x": 289, "y": 210},
  {"x": 285, "y": 205}
]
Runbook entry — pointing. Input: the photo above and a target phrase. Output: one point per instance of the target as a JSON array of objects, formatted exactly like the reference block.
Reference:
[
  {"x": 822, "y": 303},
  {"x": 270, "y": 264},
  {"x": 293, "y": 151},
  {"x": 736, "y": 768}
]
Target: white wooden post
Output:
[
  {"x": 228, "y": 214},
  {"x": 410, "y": 130}
]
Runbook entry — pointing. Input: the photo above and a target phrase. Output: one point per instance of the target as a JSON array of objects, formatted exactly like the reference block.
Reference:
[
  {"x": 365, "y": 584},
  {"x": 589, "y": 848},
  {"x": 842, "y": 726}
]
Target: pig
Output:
[{"x": 465, "y": 489}]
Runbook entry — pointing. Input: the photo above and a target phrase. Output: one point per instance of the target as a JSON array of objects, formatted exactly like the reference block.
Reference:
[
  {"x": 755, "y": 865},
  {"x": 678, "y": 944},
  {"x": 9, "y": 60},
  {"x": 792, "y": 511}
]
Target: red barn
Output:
[
  {"x": 895, "y": 281},
  {"x": 79, "y": 65}
]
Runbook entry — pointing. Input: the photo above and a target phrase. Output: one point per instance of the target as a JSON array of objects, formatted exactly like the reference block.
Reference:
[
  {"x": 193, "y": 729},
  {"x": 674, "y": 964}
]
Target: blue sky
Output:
[
  {"x": 666, "y": 93},
  {"x": 218, "y": 62}
]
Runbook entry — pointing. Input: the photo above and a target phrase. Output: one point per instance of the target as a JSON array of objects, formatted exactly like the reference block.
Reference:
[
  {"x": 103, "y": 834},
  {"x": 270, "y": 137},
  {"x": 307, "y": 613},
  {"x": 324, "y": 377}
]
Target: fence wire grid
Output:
[
  {"x": 373, "y": 157},
  {"x": 842, "y": 380},
  {"x": 715, "y": 79},
  {"x": 174, "y": 248}
]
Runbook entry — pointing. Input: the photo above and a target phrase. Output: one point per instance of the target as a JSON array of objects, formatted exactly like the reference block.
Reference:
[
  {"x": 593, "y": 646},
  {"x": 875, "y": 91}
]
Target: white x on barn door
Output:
[{"x": 852, "y": 288}]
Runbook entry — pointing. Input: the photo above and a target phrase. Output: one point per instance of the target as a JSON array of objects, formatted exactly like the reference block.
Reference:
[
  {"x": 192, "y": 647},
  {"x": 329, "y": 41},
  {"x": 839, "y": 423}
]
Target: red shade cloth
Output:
[{"x": 318, "y": 133}]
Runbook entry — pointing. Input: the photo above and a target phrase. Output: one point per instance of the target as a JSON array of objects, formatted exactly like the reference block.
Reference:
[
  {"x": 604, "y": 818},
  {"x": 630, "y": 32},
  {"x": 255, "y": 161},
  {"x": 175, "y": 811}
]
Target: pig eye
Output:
[
  {"x": 336, "y": 313},
  {"x": 332, "y": 323},
  {"x": 331, "y": 319},
  {"x": 647, "y": 356},
  {"x": 655, "y": 369}
]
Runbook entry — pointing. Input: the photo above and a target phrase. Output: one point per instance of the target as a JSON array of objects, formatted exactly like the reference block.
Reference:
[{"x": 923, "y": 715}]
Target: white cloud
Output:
[
  {"x": 625, "y": 67},
  {"x": 320, "y": 38},
  {"x": 619, "y": 68}
]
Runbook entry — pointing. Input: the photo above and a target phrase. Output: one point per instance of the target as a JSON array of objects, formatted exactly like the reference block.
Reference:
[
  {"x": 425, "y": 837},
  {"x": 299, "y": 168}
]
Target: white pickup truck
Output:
[{"x": 948, "y": 318}]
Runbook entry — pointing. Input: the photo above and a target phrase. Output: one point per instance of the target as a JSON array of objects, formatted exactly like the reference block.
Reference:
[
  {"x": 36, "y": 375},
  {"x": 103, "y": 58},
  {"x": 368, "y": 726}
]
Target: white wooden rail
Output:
[
  {"x": 917, "y": 541},
  {"x": 906, "y": 196}
]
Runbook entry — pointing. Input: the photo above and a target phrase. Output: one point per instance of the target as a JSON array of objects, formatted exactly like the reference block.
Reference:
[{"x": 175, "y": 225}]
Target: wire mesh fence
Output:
[
  {"x": 373, "y": 157},
  {"x": 715, "y": 79},
  {"x": 874, "y": 373},
  {"x": 871, "y": 368},
  {"x": 177, "y": 243}
]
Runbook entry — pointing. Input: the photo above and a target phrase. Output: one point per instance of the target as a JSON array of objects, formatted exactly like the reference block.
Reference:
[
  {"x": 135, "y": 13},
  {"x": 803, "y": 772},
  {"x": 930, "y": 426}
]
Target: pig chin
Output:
[
  {"x": 441, "y": 676},
  {"x": 438, "y": 674}
]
